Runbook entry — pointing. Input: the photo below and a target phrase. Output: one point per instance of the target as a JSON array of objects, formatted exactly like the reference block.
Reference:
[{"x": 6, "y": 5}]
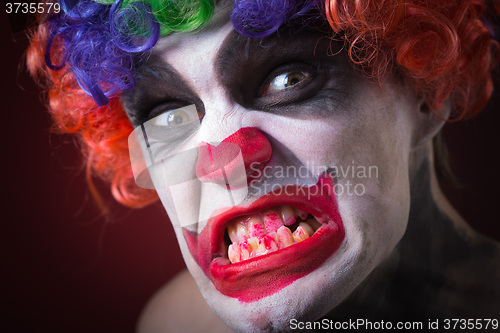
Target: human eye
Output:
[
  {"x": 170, "y": 124},
  {"x": 287, "y": 80},
  {"x": 176, "y": 117},
  {"x": 288, "y": 85}
]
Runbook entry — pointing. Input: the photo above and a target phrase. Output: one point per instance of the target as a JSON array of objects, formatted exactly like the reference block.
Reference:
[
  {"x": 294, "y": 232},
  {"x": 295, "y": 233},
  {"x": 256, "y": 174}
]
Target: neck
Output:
[{"x": 436, "y": 269}]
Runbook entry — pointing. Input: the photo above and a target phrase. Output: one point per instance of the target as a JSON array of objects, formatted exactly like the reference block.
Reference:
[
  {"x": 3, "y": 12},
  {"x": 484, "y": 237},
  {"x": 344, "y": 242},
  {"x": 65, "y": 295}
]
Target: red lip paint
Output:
[{"x": 258, "y": 277}]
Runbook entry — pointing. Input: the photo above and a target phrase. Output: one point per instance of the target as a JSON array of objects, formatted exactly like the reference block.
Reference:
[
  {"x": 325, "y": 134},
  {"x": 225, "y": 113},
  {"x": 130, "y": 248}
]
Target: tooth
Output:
[
  {"x": 274, "y": 235},
  {"x": 272, "y": 221},
  {"x": 256, "y": 227},
  {"x": 263, "y": 233},
  {"x": 237, "y": 230},
  {"x": 272, "y": 241},
  {"x": 288, "y": 215},
  {"x": 268, "y": 243},
  {"x": 262, "y": 245},
  {"x": 245, "y": 251},
  {"x": 301, "y": 214},
  {"x": 285, "y": 237},
  {"x": 300, "y": 234},
  {"x": 253, "y": 243},
  {"x": 232, "y": 231},
  {"x": 308, "y": 228},
  {"x": 242, "y": 232},
  {"x": 234, "y": 253}
]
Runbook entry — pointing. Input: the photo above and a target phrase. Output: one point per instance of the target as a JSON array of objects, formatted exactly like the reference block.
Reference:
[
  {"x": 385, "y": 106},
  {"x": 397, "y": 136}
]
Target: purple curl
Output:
[
  {"x": 103, "y": 45},
  {"x": 261, "y": 18}
]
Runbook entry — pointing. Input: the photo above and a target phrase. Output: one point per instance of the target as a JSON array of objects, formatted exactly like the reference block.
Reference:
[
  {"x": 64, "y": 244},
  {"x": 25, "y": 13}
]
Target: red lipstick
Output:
[{"x": 258, "y": 277}]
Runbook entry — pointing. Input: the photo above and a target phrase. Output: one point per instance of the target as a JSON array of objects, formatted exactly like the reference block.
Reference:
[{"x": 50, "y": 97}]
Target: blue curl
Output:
[
  {"x": 103, "y": 45},
  {"x": 261, "y": 18}
]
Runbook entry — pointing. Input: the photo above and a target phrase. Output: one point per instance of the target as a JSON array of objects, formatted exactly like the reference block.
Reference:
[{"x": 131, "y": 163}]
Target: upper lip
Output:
[{"x": 208, "y": 250}]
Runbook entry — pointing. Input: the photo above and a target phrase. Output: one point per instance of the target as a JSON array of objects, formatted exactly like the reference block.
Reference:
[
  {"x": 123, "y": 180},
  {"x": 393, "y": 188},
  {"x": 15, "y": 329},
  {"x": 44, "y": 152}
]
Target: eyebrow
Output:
[
  {"x": 288, "y": 40},
  {"x": 237, "y": 57},
  {"x": 157, "y": 80},
  {"x": 256, "y": 58}
]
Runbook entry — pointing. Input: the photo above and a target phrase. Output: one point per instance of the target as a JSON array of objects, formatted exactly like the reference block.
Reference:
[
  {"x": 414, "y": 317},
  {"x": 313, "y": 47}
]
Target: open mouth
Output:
[
  {"x": 255, "y": 251},
  {"x": 268, "y": 231}
]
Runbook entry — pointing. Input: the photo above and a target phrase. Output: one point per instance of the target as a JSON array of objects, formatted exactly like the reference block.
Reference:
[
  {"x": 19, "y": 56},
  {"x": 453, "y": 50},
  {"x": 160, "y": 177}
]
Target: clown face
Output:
[{"x": 284, "y": 173}]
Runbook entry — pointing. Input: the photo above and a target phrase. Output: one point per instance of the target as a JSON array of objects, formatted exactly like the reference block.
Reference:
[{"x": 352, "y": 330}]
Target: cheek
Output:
[
  {"x": 371, "y": 155},
  {"x": 368, "y": 147}
]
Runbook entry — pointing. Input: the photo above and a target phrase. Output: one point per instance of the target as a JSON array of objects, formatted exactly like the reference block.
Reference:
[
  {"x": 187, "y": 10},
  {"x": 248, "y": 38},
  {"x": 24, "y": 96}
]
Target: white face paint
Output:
[{"x": 317, "y": 113}]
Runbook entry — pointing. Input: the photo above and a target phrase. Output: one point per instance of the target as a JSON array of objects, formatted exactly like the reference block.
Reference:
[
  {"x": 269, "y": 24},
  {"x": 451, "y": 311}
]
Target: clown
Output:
[{"x": 291, "y": 144}]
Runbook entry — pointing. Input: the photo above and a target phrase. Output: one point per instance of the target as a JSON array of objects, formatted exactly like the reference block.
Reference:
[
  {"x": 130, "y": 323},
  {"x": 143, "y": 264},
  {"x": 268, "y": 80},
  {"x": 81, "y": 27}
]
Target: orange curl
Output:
[
  {"x": 102, "y": 131},
  {"x": 443, "y": 48}
]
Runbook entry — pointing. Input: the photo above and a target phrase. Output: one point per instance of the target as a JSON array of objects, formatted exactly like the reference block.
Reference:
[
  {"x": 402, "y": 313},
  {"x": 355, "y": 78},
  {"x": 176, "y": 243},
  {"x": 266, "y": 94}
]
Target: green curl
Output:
[{"x": 177, "y": 16}]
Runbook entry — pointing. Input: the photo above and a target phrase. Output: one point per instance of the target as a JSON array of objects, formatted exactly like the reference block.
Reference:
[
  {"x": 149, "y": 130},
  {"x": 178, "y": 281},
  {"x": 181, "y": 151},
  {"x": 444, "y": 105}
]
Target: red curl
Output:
[
  {"x": 443, "y": 48},
  {"x": 102, "y": 131}
]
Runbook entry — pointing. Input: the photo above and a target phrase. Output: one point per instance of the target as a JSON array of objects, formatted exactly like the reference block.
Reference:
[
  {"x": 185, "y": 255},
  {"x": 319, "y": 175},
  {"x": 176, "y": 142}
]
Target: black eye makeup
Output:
[
  {"x": 287, "y": 74},
  {"x": 160, "y": 89},
  {"x": 173, "y": 114},
  {"x": 171, "y": 129},
  {"x": 175, "y": 118},
  {"x": 283, "y": 72},
  {"x": 288, "y": 84}
]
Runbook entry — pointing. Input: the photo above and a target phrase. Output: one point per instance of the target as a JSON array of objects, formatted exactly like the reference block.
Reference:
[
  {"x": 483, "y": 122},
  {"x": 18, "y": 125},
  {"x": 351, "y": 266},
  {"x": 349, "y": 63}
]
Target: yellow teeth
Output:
[
  {"x": 301, "y": 214},
  {"x": 231, "y": 230},
  {"x": 253, "y": 247},
  {"x": 269, "y": 243},
  {"x": 307, "y": 227},
  {"x": 259, "y": 224},
  {"x": 238, "y": 231},
  {"x": 254, "y": 244},
  {"x": 256, "y": 227},
  {"x": 242, "y": 233},
  {"x": 272, "y": 221},
  {"x": 257, "y": 246},
  {"x": 301, "y": 233},
  {"x": 234, "y": 253},
  {"x": 268, "y": 231},
  {"x": 285, "y": 237},
  {"x": 245, "y": 250},
  {"x": 288, "y": 215}
]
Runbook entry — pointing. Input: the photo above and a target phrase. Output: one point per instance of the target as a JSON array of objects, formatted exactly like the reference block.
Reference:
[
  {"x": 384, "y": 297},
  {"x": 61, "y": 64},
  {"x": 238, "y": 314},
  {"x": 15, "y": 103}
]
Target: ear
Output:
[{"x": 427, "y": 122}]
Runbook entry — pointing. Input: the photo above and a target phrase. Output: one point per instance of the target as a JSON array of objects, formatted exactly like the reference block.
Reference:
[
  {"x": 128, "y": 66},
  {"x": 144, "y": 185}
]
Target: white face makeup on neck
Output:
[{"x": 306, "y": 108}]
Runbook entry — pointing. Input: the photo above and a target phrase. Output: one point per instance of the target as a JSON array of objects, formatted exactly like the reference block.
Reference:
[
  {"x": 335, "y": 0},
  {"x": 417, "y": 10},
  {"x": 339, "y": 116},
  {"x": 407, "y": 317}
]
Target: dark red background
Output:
[{"x": 65, "y": 269}]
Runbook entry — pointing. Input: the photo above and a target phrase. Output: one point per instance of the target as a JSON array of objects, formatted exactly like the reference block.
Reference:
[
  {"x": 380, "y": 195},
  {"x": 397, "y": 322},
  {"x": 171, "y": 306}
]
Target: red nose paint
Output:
[{"x": 220, "y": 164}]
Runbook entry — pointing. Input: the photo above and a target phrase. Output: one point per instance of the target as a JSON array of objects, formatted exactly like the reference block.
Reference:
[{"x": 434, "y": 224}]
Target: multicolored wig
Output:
[{"x": 88, "y": 56}]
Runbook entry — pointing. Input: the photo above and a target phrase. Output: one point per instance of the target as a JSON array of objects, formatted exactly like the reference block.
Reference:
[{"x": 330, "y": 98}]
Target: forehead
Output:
[
  {"x": 183, "y": 47},
  {"x": 219, "y": 62},
  {"x": 218, "y": 46}
]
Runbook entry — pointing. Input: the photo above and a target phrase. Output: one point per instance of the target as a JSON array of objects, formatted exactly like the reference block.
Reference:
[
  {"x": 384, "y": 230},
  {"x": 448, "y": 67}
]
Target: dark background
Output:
[{"x": 64, "y": 268}]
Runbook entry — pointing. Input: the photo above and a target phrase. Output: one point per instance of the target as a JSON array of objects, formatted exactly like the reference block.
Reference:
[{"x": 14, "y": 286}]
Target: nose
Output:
[{"x": 221, "y": 164}]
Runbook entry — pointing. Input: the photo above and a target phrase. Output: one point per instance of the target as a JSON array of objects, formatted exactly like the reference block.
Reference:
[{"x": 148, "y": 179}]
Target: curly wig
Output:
[{"x": 88, "y": 55}]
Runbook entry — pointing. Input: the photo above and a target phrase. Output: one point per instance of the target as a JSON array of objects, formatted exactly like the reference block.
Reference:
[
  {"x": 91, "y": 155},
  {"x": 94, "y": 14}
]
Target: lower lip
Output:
[{"x": 262, "y": 276}]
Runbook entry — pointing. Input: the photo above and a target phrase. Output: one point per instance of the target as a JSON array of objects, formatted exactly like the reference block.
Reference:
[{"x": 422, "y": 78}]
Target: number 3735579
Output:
[{"x": 32, "y": 7}]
